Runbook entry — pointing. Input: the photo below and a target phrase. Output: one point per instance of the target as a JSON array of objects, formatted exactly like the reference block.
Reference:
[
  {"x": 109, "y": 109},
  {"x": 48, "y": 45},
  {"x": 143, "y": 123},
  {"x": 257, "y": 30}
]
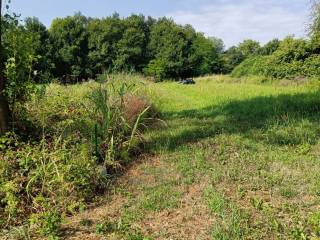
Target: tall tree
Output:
[
  {"x": 131, "y": 49},
  {"x": 41, "y": 46},
  {"x": 207, "y": 54},
  {"x": 104, "y": 35},
  {"x": 69, "y": 48},
  {"x": 4, "y": 106},
  {"x": 170, "y": 45}
]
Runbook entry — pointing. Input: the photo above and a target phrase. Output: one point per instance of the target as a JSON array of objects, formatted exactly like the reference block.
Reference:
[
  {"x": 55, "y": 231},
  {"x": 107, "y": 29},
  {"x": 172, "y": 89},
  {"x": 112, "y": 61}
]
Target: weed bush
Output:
[
  {"x": 115, "y": 123},
  {"x": 45, "y": 180},
  {"x": 86, "y": 132}
]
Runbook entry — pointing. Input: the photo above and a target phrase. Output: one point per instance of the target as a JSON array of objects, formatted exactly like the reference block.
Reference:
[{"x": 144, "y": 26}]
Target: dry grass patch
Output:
[{"x": 191, "y": 220}]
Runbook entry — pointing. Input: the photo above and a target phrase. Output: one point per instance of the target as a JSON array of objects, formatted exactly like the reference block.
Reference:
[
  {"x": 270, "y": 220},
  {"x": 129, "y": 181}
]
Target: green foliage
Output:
[
  {"x": 169, "y": 46},
  {"x": 112, "y": 132},
  {"x": 157, "y": 68},
  {"x": 291, "y": 49},
  {"x": 19, "y": 59},
  {"x": 251, "y": 66},
  {"x": 232, "y": 58},
  {"x": 131, "y": 48},
  {"x": 293, "y": 58},
  {"x": 206, "y": 55},
  {"x": 47, "y": 223},
  {"x": 311, "y": 66},
  {"x": 42, "y": 67},
  {"x": 270, "y": 47},
  {"x": 178, "y": 52},
  {"x": 104, "y": 35},
  {"x": 237, "y": 54},
  {"x": 42, "y": 179},
  {"x": 77, "y": 48},
  {"x": 56, "y": 175},
  {"x": 68, "y": 48},
  {"x": 249, "y": 47}
]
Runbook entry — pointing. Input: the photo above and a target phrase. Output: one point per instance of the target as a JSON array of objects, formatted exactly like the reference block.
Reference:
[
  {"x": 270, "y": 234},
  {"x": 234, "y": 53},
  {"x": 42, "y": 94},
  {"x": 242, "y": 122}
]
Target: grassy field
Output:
[{"x": 230, "y": 160}]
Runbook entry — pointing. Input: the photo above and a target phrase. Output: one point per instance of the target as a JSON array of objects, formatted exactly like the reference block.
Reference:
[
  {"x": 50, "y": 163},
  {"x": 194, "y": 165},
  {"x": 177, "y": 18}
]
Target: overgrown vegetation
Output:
[
  {"x": 88, "y": 133},
  {"x": 294, "y": 58},
  {"x": 235, "y": 158}
]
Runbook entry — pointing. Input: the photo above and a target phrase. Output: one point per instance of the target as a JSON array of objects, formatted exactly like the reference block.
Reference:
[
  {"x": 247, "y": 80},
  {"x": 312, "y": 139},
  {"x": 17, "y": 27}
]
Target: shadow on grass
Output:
[{"x": 237, "y": 117}]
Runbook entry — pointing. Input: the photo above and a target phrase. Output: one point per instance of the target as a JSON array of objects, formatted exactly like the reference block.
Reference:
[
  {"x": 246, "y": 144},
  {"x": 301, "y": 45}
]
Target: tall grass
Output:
[{"x": 113, "y": 133}]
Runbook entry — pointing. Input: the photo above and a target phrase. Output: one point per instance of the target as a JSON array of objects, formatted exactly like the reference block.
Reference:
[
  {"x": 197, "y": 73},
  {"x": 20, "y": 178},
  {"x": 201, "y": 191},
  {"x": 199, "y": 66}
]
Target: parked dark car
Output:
[{"x": 187, "y": 81}]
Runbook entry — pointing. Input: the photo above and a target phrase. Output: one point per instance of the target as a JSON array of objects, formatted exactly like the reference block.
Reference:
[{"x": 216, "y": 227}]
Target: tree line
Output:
[{"x": 76, "y": 47}]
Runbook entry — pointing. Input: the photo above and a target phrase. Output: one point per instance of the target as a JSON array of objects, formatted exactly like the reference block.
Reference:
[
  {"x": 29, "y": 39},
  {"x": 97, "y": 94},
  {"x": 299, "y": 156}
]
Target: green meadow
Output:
[{"x": 226, "y": 159}]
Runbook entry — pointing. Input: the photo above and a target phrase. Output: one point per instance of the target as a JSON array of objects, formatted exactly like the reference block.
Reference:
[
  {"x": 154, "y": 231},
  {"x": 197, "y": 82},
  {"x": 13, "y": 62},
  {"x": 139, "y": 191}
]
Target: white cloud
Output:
[{"x": 236, "y": 20}]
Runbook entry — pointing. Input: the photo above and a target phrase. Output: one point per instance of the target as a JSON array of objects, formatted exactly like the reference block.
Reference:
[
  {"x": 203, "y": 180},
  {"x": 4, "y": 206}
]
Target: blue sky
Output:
[{"x": 231, "y": 20}]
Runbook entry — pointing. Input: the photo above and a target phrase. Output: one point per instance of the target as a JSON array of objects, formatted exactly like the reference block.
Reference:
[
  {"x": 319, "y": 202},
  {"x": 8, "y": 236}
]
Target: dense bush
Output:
[
  {"x": 293, "y": 58},
  {"x": 312, "y": 65}
]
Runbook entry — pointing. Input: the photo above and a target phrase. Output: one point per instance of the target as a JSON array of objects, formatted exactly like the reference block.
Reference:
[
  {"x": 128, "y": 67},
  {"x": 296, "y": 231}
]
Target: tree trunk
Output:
[{"x": 4, "y": 109}]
